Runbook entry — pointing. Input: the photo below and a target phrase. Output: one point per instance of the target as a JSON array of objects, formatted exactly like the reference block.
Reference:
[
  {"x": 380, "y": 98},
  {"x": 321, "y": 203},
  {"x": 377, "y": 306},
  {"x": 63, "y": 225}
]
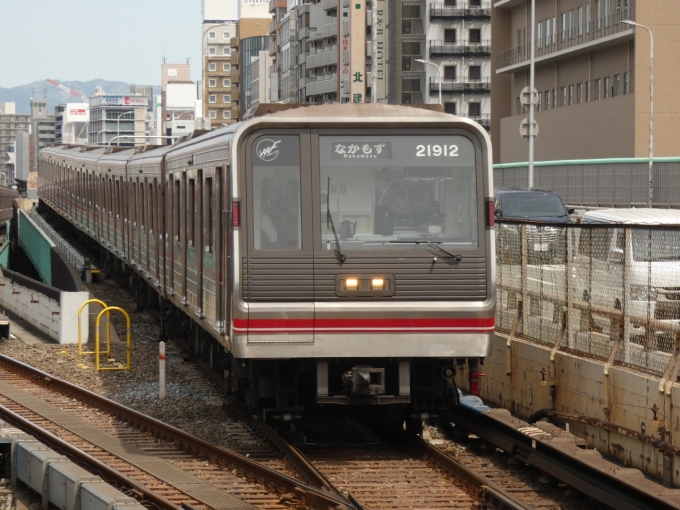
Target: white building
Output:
[
  {"x": 71, "y": 122},
  {"x": 118, "y": 120}
]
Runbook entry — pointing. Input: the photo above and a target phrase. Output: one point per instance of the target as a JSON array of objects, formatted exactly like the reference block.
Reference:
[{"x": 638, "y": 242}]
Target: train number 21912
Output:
[{"x": 436, "y": 150}]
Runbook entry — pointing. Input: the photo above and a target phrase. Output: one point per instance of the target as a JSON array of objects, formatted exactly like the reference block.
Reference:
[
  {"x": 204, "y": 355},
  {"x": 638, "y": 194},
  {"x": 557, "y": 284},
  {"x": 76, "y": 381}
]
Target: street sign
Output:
[
  {"x": 524, "y": 129},
  {"x": 527, "y": 97}
]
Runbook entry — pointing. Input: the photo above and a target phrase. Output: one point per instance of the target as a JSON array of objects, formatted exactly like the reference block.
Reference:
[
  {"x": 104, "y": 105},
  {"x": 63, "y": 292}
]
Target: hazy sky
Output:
[{"x": 88, "y": 39}]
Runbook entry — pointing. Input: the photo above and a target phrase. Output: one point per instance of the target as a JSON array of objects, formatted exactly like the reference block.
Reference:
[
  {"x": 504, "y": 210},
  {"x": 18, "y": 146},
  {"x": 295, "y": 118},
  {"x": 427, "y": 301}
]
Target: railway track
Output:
[
  {"x": 407, "y": 474},
  {"x": 163, "y": 466}
]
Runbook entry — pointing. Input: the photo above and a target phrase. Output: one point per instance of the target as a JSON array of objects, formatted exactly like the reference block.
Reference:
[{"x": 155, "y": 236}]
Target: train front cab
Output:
[{"x": 376, "y": 295}]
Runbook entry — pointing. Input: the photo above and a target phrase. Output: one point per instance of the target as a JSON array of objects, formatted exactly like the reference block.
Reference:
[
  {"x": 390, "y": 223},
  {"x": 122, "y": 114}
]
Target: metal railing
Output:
[
  {"x": 460, "y": 85},
  {"x": 610, "y": 292},
  {"x": 616, "y": 182},
  {"x": 462, "y": 10},
  {"x": 568, "y": 38},
  {"x": 483, "y": 119},
  {"x": 440, "y": 48},
  {"x": 71, "y": 254}
]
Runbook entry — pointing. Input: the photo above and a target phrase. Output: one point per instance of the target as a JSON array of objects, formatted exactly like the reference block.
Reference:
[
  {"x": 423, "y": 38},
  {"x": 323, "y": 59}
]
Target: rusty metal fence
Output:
[{"x": 610, "y": 292}]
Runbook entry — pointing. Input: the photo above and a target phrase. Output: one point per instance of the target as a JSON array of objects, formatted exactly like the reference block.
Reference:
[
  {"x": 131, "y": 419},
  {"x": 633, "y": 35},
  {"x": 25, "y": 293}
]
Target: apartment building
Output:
[
  {"x": 118, "y": 120},
  {"x": 11, "y": 124},
  {"x": 592, "y": 77},
  {"x": 457, "y": 40},
  {"x": 70, "y": 123}
]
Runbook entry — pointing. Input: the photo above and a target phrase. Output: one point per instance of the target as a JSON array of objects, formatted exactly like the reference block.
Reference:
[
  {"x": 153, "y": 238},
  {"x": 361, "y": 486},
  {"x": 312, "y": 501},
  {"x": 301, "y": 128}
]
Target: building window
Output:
[
  {"x": 547, "y": 100},
  {"x": 226, "y": 82},
  {"x": 226, "y": 67},
  {"x": 571, "y": 95},
  {"x": 571, "y": 24},
  {"x": 598, "y": 13},
  {"x": 226, "y": 50},
  {"x": 547, "y": 32},
  {"x": 626, "y": 83},
  {"x": 211, "y": 35},
  {"x": 554, "y": 33},
  {"x": 563, "y": 28},
  {"x": 212, "y": 114},
  {"x": 226, "y": 98},
  {"x": 518, "y": 106},
  {"x": 587, "y": 18},
  {"x": 617, "y": 85},
  {"x": 539, "y": 34},
  {"x": 563, "y": 96},
  {"x": 450, "y": 108},
  {"x": 212, "y": 98},
  {"x": 212, "y": 83},
  {"x": 226, "y": 35},
  {"x": 450, "y": 3},
  {"x": 475, "y": 36},
  {"x": 579, "y": 93},
  {"x": 475, "y": 72},
  {"x": 226, "y": 114},
  {"x": 212, "y": 67},
  {"x": 449, "y": 35},
  {"x": 587, "y": 91},
  {"x": 212, "y": 51},
  {"x": 450, "y": 73},
  {"x": 596, "y": 94},
  {"x": 606, "y": 87},
  {"x": 538, "y": 104},
  {"x": 474, "y": 110}
]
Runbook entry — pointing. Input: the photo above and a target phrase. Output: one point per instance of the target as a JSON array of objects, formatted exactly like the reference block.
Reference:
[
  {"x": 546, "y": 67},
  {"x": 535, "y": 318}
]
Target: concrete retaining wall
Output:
[
  {"x": 53, "y": 312},
  {"x": 578, "y": 386}
]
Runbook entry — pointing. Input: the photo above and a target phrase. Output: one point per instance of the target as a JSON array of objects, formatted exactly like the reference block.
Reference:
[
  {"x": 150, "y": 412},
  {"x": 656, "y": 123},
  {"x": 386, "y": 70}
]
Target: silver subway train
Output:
[{"x": 313, "y": 255}]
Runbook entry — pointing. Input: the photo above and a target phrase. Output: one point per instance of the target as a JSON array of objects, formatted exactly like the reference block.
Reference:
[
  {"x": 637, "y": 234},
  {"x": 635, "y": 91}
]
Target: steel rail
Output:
[
  {"x": 500, "y": 499},
  {"x": 282, "y": 483},
  {"x": 531, "y": 449},
  {"x": 85, "y": 460}
]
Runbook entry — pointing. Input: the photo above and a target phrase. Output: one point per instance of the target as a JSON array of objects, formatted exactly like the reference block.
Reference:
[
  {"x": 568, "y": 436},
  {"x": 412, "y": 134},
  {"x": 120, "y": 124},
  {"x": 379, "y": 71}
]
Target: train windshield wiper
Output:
[
  {"x": 329, "y": 221},
  {"x": 433, "y": 244}
]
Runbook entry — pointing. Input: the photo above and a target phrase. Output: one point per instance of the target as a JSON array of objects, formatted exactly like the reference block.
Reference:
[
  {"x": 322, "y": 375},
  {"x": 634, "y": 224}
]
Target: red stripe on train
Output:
[{"x": 329, "y": 325}]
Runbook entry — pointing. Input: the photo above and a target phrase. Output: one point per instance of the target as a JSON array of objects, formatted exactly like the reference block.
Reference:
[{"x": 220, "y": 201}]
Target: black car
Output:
[{"x": 545, "y": 244}]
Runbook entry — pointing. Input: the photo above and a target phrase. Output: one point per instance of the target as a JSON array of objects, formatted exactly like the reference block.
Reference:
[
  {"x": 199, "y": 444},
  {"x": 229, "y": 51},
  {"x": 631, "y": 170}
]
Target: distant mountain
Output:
[{"x": 22, "y": 94}]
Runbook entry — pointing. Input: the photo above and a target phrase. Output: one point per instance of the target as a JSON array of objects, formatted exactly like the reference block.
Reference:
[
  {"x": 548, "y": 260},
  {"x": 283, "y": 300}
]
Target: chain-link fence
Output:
[{"x": 602, "y": 290}]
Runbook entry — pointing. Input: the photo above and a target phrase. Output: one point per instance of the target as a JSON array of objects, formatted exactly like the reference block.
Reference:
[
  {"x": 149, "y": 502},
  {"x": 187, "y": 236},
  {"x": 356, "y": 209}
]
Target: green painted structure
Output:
[{"x": 37, "y": 246}]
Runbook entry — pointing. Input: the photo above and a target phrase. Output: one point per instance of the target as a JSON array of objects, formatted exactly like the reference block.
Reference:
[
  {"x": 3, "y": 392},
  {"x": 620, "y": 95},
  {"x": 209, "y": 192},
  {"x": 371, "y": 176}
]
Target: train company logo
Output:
[{"x": 268, "y": 150}]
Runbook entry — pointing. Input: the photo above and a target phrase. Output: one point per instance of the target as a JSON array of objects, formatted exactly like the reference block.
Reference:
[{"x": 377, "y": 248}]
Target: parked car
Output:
[{"x": 546, "y": 244}]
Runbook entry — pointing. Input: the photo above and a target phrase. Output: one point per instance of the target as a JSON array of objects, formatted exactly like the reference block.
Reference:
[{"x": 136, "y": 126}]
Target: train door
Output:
[
  {"x": 280, "y": 259},
  {"x": 210, "y": 266},
  {"x": 146, "y": 227},
  {"x": 179, "y": 248},
  {"x": 171, "y": 206},
  {"x": 192, "y": 250},
  {"x": 134, "y": 223}
]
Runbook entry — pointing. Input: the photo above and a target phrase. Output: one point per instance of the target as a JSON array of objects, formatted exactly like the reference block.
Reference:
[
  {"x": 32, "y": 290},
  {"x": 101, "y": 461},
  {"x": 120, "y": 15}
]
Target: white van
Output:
[{"x": 642, "y": 264}]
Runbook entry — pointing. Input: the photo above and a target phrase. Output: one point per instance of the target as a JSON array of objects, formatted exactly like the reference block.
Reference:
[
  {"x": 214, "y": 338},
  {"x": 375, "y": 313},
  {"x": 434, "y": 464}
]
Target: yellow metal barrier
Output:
[
  {"x": 108, "y": 329},
  {"x": 129, "y": 342}
]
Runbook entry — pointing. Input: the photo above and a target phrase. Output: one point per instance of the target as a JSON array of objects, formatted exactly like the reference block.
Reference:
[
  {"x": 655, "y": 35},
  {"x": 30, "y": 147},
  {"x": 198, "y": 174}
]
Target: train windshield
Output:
[{"x": 389, "y": 192}]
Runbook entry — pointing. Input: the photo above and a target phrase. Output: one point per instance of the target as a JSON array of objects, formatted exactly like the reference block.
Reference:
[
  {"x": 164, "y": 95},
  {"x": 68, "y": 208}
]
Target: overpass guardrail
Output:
[{"x": 610, "y": 292}]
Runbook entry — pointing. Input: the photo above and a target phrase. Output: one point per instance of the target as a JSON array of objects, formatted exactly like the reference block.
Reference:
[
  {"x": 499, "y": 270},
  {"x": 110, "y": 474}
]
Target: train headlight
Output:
[
  {"x": 377, "y": 283},
  {"x": 351, "y": 284}
]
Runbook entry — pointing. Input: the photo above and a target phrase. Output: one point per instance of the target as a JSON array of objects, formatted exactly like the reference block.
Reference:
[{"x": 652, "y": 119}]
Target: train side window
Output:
[
  {"x": 152, "y": 200},
  {"x": 191, "y": 208},
  {"x": 176, "y": 216},
  {"x": 276, "y": 193},
  {"x": 142, "y": 205},
  {"x": 210, "y": 213}
]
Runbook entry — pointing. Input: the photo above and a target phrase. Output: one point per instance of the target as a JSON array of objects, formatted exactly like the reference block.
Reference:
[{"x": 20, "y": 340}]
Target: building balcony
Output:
[
  {"x": 233, "y": 58},
  {"x": 323, "y": 59},
  {"x": 235, "y": 90},
  {"x": 273, "y": 27},
  {"x": 458, "y": 48},
  {"x": 484, "y": 119},
  {"x": 273, "y": 48},
  {"x": 438, "y": 12},
  {"x": 277, "y": 4},
  {"x": 325, "y": 31},
  {"x": 412, "y": 27},
  {"x": 599, "y": 33},
  {"x": 328, "y": 5},
  {"x": 324, "y": 86},
  {"x": 409, "y": 65},
  {"x": 461, "y": 86}
]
